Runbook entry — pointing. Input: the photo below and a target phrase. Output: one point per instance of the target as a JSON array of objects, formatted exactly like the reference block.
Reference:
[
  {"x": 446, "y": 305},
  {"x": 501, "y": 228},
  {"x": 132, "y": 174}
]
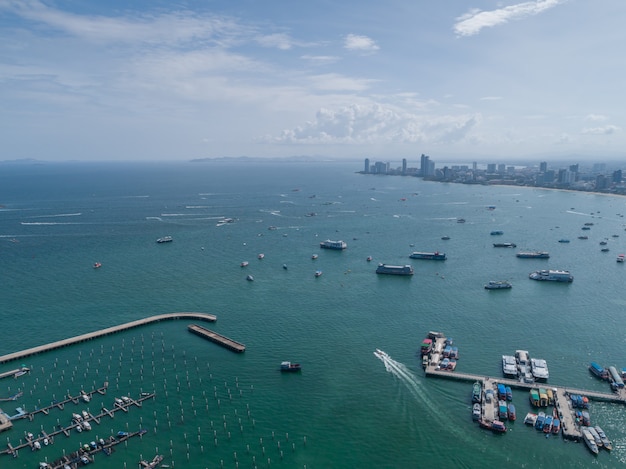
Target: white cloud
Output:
[
  {"x": 606, "y": 130},
  {"x": 377, "y": 124},
  {"x": 280, "y": 41},
  {"x": 491, "y": 98},
  {"x": 320, "y": 59},
  {"x": 360, "y": 43},
  {"x": 473, "y": 21},
  {"x": 334, "y": 81},
  {"x": 596, "y": 117}
]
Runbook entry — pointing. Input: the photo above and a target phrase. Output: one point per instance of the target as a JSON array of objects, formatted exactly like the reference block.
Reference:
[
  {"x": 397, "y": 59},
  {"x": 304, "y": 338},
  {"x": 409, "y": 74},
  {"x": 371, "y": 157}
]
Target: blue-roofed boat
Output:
[
  {"x": 501, "y": 392},
  {"x": 547, "y": 424},
  {"x": 511, "y": 411},
  {"x": 503, "y": 411},
  {"x": 556, "y": 426},
  {"x": 509, "y": 393},
  {"x": 497, "y": 233},
  {"x": 598, "y": 371},
  {"x": 541, "y": 418}
]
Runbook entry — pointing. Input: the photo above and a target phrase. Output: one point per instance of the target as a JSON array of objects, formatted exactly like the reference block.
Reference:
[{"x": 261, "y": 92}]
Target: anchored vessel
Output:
[
  {"x": 433, "y": 256},
  {"x": 290, "y": 367},
  {"x": 394, "y": 269},
  {"x": 328, "y": 244},
  {"x": 533, "y": 255},
  {"x": 497, "y": 284},
  {"x": 552, "y": 275},
  {"x": 504, "y": 245}
]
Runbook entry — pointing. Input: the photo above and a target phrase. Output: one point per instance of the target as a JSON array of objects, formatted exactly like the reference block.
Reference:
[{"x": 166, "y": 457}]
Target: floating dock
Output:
[
  {"x": 109, "y": 330},
  {"x": 217, "y": 338}
]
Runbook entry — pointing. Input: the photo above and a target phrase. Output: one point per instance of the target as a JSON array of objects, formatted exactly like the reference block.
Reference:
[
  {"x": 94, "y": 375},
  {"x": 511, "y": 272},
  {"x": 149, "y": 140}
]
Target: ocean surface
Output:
[{"x": 347, "y": 409}]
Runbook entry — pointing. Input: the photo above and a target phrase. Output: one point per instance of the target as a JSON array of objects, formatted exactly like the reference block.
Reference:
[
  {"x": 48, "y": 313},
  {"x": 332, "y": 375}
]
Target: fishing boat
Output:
[
  {"x": 290, "y": 367},
  {"x": 477, "y": 392},
  {"x": 512, "y": 415},
  {"x": 539, "y": 422},
  {"x": 476, "y": 411},
  {"x": 426, "y": 347},
  {"x": 165, "y": 239},
  {"x": 556, "y": 426},
  {"x": 495, "y": 426},
  {"x": 547, "y": 424},
  {"x": 598, "y": 371}
]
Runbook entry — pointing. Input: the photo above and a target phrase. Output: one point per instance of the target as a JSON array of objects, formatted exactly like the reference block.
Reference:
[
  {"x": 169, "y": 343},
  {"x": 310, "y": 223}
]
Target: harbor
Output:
[{"x": 491, "y": 397}]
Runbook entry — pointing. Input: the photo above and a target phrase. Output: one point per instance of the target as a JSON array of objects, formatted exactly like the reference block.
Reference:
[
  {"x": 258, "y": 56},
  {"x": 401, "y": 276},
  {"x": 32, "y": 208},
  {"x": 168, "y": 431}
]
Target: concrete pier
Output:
[
  {"x": 109, "y": 330},
  {"x": 217, "y": 338}
]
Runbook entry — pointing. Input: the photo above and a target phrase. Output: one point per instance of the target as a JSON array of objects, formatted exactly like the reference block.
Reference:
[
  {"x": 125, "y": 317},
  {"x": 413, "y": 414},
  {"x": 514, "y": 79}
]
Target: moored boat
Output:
[
  {"x": 290, "y": 367},
  {"x": 477, "y": 392},
  {"x": 533, "y": 255},
  {"x": 433, "y": 256},
  {"x": 394, "y": 269},
  {"x": 509, "y": 366},
  {"x": 476, "y": 411},
  {"x": 552, "y": 276},
  {"x": 504, "y": 245},
  {"x": 589, "y": 440},
  {"x": 539, "y": 422},
  {"x": 512, "y": 414},
  {"x": 556, "y": 425},
  {"x": 598, "y": 371},
  {"x": 547, "y": 424},
  {"x": 426, "y": 347},
  {"x": 338, "y": 245},
  {"x": 530, "y": 418},
  {"x": 498, "y": 285},
  {"x": 595, "y": 436},
  {"x": 606, "y": 443}
]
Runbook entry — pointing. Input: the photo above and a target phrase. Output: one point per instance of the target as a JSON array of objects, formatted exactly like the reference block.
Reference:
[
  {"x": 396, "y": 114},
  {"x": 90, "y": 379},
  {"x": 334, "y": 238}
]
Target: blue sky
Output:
[{"x": 455, "y": 79}]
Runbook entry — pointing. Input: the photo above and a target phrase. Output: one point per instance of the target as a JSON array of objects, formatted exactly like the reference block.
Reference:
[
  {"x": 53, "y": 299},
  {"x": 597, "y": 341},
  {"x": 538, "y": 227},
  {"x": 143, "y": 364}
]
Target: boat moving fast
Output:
[
  {"x": 394, "y": 269},
  {"x": 552, "y": 275}
]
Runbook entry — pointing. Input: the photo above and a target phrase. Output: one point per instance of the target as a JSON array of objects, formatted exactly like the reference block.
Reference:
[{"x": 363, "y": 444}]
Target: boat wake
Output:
[{"x": 414, "y": 386}]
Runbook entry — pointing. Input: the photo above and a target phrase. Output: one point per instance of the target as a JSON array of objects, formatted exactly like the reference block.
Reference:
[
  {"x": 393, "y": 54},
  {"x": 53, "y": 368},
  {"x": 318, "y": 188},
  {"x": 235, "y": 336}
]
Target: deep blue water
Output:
[{"x": 214, "y": 407}]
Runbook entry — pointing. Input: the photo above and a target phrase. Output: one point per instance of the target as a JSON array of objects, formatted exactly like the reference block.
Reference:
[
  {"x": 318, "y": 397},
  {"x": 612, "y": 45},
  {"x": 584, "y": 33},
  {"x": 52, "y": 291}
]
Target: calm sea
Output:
[{"x": 346, "y": 409}]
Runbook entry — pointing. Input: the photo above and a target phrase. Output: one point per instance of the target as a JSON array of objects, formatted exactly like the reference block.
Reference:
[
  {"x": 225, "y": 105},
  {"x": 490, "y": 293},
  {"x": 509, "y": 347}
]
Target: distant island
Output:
[{"x": 571, "y": 177}]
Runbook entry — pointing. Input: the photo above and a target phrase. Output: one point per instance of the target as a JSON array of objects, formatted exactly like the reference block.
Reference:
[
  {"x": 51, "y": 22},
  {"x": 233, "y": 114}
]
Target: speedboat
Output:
[
  {"x": 606, "y": 443},
  {"x": 261, "y": 256},
  {"x": 249, "y": 278},
  {"x": 86, "y": 425},
  {"x": 97, "y": 265},
  {"x": 318, "y": 273},
  {"x": 244, "y": 263},
  {"x": 369, "y": 258},
  {"x": 85, "y": 414},
  {"x": 36, "y": 446},
  {"x": 476, "y": 411},
  {"x": 314, "y": 256}
]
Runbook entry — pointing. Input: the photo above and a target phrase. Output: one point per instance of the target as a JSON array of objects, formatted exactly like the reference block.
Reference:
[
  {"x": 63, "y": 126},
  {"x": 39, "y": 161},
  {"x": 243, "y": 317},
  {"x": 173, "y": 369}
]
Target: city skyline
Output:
[{"x": 506, "y": 80}]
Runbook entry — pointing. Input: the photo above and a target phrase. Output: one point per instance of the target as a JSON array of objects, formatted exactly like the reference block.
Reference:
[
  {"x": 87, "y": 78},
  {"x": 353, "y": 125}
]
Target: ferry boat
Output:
[
  {"x": 496, "y": 233},
  {"x": 432, "y": 256},
  {"x": 504, "y": 245},
  {"x": 552, "y": 275},
  {"x": 598, "y": 371},
  {"x": 165, "y": 239},
  {"x": 498, "y": 285},
  {"x": 328, "y": 244},
  {"x": 290, "y": 367},
  {"x": 394, "y": 269},
  {"x": 539, "y": 368},
  {"x": 533, "y": 255}
]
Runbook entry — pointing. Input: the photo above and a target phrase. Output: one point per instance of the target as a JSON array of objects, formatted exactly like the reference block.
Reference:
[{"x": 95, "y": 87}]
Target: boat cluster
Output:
[
  {"x": 524, "y": 368},
  {"x": 439, "y": 351},
  {"x": 609, "y": 374}
]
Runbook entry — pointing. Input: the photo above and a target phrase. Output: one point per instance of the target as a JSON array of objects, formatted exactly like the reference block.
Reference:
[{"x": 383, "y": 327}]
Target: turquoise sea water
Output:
[{"x": 215, "y": 408}]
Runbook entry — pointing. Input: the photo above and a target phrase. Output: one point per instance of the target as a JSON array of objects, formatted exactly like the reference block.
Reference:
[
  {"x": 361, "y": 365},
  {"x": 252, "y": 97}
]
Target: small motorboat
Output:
[
  {"x": 244, "y": 264},
  {"x": 249, "y": 278},
  {"x": 285, "y": 266},
  {"x": 369, "y": 258},
  {"x": 318, "y": 273},
  {"x": 314, "y": 256},
  {"x": 290, "y": 367},
  {"x": 261, "y": 256},
  {"x": 97, "y": 265}
]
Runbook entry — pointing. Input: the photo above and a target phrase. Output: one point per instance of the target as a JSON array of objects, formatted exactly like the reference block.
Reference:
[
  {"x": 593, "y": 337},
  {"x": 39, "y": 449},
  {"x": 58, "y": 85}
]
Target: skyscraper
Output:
[{"x": 367, "y": 165}]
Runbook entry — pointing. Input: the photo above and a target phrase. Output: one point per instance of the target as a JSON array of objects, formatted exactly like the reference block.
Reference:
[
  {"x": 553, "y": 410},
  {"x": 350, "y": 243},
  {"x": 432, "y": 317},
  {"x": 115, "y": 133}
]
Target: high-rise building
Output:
[
  {"x": 543, "y": 167},
  {"x": 367, "y": 165},
  {"x": 403, "y": 166},
  {"x": 491, "y": 168},
  {"x": 617, "y": 176},
  {"x": 425, "y": 165}
]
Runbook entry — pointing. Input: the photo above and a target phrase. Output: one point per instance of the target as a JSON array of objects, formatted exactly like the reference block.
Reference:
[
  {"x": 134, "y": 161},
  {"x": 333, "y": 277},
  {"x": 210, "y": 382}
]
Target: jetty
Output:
[
  {"x": 15, "y": 373},
  {"x": 489, "y": 412},
  {"x": 103, "y": 332},
  {"x": 217, "y": 338}
]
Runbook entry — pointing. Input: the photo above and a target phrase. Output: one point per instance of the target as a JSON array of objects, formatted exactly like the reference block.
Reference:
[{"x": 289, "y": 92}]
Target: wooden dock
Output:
[
  {"x": 216, "y": 338},
  {"x": 103, "y": 332}
]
